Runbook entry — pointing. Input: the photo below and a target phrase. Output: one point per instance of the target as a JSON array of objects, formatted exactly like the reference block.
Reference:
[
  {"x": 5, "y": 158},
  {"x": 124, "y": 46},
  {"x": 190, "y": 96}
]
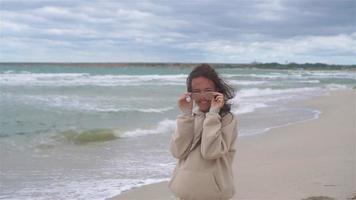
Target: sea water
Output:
[{"x": 91, "y": 132}]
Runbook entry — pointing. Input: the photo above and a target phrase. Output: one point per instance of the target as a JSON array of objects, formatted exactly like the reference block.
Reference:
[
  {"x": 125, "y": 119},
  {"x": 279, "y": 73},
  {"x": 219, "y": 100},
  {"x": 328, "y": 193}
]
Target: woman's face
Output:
[{"x": 201, "y": 87}]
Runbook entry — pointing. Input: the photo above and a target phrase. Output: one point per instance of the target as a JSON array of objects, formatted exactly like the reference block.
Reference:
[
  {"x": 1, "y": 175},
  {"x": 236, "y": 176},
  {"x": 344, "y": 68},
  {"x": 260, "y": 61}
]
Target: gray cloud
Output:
[{"x": 178, "y": 31}]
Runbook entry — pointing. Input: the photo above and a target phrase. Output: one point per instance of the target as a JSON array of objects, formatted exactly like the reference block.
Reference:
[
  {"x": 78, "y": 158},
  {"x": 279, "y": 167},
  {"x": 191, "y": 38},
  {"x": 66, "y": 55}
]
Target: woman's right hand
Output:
[{"x": 184, "y": 106}]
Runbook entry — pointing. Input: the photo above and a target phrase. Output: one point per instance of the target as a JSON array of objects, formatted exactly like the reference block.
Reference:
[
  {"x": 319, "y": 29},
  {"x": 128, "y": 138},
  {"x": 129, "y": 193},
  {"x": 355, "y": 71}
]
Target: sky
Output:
[{"x": 214, "y": 31}]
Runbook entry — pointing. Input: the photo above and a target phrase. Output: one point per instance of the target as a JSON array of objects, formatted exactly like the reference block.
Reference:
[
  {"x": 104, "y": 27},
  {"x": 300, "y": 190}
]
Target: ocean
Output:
[{"x": 92, "y": 132}]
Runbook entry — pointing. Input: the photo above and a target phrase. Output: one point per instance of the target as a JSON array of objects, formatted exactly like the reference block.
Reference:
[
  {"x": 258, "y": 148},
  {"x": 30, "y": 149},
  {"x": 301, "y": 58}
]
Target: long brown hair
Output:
[{"x": 206, "y": 71}]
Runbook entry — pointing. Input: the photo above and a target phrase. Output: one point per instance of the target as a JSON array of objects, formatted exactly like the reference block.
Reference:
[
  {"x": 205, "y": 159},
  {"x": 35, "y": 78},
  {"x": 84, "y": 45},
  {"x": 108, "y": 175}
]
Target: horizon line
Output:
[{"x": 174, "y": 63}]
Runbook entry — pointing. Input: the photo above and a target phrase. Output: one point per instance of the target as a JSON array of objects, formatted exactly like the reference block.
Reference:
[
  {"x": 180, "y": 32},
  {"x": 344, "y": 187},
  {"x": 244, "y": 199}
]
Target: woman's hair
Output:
[{"x": 206, "y": 71}]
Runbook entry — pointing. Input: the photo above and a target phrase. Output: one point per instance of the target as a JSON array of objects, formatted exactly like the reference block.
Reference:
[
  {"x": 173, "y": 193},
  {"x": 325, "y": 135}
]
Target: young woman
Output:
[{"x": 204, "y": 139}]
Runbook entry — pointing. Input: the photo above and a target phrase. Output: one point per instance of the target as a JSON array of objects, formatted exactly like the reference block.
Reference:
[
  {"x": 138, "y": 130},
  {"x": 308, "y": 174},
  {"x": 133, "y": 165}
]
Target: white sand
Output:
[{"x": 312, "y": 158}]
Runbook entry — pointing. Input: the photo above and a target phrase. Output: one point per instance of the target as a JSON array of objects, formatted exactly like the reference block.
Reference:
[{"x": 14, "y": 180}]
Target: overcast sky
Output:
[{"x": 228, "y": 31}]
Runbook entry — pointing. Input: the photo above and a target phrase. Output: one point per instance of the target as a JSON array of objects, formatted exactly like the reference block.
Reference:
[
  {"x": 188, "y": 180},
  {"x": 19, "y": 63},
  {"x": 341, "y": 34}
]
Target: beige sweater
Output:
[{"x": 204, "y": 144}]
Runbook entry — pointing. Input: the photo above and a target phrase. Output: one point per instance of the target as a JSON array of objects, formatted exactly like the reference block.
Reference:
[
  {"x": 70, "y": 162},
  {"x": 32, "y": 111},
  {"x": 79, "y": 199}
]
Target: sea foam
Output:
[{"x": 86, "y": 79}]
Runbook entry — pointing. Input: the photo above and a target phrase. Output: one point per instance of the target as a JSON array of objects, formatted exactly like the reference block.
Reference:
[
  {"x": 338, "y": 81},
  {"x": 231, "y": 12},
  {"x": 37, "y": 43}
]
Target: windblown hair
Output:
[{"x": 206, "y": 71}]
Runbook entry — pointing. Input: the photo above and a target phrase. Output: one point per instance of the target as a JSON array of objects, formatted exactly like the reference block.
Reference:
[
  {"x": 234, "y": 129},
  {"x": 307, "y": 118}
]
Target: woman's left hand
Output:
[{"x": 218, "y": 101}]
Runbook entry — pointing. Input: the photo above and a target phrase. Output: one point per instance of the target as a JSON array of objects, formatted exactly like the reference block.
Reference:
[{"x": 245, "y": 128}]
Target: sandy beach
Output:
[{"x": 307, "y": 159}]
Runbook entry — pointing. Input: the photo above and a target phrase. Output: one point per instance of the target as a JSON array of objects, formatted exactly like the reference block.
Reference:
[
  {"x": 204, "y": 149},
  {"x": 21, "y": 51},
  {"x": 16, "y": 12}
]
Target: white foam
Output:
[
  {"x": 140, "y": 184},
  {"x": 246, "y": 107},
  {"x": 164, "y": 126},
  {"x": 298, "y": 74},
  {"x": 332, "y": 74},
  {"x": 144, "y": 110},
  {"x": 316, "y": 115},
  {"x": 309, "y": 81},
  {"x": 333, "y": 86},
  {"x": 80, "y": 189},
  {"x": 85, "y": 79},
  {"x": 257, "y": 92},
  {"x": 248, "y": 100},
  {"x": 8, "y": 72},
  {"x": 82, "y": 103},
  {"x": 237, "y": 82},
  {"x": 273, "y": 76}
]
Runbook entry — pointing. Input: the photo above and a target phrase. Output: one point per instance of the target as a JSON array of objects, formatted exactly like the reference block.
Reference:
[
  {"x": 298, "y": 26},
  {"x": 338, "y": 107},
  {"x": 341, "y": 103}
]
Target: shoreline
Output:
[{"x": 276, "y": 156}]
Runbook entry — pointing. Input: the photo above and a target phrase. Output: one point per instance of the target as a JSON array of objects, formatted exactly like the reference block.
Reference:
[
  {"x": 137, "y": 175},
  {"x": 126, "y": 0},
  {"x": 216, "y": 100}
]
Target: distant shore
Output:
[{"x": 273, "y": 65}]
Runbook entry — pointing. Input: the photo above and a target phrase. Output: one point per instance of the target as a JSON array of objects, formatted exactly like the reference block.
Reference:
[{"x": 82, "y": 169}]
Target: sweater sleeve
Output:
[
  {"x": 182, "y": 138},
  {"x": 216, "y": 139}
]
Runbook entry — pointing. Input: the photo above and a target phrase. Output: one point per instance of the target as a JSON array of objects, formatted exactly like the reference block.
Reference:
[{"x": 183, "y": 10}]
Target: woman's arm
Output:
[
  {"x": 216, "y": 139},
  {"x": 182, "y": 138}
]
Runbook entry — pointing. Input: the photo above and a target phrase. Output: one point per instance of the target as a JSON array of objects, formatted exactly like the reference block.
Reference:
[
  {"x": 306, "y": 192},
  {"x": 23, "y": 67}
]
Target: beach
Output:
[
  {"x": 90, "y": 93},
  {"x": 94, "y": 132},
  {"x": 306, "y": 159}
]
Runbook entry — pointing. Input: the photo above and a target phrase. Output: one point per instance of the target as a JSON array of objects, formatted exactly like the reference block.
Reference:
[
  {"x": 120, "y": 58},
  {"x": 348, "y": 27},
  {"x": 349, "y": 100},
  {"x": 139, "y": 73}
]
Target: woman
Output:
[{"x": 204, "y": 139}]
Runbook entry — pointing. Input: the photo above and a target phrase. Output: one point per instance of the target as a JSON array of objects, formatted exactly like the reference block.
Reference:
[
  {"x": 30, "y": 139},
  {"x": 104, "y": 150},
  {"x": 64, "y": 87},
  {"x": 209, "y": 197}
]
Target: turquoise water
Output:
[{"x": 90, "y": 132}]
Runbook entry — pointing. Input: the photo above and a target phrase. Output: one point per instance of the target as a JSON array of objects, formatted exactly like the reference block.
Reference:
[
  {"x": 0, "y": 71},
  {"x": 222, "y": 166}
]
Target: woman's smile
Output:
[{"x": 204, "y": 101}]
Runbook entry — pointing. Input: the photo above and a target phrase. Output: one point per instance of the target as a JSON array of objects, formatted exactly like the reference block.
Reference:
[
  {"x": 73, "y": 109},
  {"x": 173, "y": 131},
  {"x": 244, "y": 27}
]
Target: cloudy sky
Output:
[{"x": 240, "y": 31}]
